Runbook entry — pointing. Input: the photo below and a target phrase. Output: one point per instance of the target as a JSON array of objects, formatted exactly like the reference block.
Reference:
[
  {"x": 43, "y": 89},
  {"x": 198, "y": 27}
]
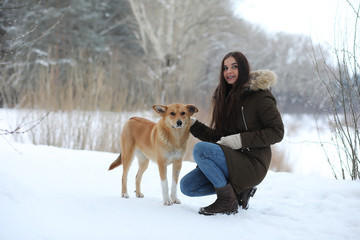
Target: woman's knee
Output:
[
  {"x": 199, "y": 149},
  {"x": 202, "y": 151}
]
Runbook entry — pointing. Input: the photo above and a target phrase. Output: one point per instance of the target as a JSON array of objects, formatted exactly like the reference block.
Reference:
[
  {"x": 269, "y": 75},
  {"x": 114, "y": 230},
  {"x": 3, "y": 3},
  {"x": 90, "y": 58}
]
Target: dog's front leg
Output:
[
  {"x": 164, "y": 183},
  {"x": 175, "y": 177}
]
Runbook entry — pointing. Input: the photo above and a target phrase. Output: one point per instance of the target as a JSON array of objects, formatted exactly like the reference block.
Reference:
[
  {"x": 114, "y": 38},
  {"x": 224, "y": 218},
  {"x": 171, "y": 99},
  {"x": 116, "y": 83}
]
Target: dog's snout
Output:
[{"x": 179, "y": 122}]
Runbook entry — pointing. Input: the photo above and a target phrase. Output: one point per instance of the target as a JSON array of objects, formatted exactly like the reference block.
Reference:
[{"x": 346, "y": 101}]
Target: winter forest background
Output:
[
  {"x": 82, "y": 66},
  {"x": 104, "y": 55}
]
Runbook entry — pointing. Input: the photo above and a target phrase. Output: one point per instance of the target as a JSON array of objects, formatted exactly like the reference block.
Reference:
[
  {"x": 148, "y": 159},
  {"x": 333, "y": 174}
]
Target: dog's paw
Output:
[
  {"x": 125, "y": 195},
  {"x": 174, "y": 198},
  {"x": 176, "y": 201},
  {"x": 139, "y": 195},
  {"x": 168, "y": 203}
]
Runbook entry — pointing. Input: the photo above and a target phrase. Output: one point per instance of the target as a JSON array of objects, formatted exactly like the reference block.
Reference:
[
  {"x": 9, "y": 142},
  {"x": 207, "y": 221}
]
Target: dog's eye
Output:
[
  {"x": 172, "y": 114},
  {"x": 182, "y": 113}
]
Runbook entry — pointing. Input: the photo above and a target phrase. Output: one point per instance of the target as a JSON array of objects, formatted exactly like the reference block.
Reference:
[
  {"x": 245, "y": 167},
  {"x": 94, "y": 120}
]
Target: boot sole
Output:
[{"x": 221, "y": 213}]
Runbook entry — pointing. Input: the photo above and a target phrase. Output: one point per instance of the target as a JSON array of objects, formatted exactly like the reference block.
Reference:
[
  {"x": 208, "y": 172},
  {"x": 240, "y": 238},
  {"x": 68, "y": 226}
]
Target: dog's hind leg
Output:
[
  {"x": 143, "y": 165},
  {"x": 175, "y": 177},
  {"x": 127, "y": 158}
]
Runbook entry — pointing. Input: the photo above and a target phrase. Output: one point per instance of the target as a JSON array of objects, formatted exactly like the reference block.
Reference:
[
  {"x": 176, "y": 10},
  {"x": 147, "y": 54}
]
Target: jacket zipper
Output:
[
  {"x": 243, "y": 117},
  {"x": 246, "y": 128}
]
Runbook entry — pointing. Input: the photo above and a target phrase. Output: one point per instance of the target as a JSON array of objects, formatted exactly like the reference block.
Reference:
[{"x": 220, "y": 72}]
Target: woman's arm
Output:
[{"x": 204, "y": 133}]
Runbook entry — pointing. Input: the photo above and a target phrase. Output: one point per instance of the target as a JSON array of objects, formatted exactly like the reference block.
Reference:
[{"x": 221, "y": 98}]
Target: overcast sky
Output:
[{"x": 317, "y": 18}]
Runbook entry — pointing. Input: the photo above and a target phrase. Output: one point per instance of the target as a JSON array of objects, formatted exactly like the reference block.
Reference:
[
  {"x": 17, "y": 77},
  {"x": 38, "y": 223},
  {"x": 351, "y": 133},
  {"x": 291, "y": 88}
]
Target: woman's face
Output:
[{"x": 230, "y": 70}]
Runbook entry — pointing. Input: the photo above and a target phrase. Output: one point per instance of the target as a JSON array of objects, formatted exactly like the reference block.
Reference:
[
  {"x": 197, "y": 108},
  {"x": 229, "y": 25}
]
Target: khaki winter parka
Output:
[{"x": 259, "y": 124}]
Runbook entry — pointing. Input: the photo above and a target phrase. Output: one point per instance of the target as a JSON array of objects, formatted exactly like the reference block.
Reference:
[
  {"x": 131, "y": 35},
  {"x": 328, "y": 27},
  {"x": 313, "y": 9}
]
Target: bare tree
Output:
[
  {"x": 18, "y": 44},
  {"x": 341, "y": 82},
  {"x": 175, "y": 36},
  {"x": 14, "y": 45}
]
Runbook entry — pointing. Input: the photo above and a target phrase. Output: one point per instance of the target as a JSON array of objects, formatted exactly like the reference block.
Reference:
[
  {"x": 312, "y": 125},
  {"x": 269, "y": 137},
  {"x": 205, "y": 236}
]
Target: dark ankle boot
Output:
[
  {"x": 226, "y": 202},
  {"x": 244, "y": 196}
]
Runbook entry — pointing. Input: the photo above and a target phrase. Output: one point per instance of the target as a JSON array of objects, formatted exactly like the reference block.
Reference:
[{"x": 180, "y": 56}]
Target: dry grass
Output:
[
  {"x": 99, "y": 131},
  {"x": 88, "y": 130},
  {"x": 77, "y": 83},
  {"x": 279, "y": 162}
]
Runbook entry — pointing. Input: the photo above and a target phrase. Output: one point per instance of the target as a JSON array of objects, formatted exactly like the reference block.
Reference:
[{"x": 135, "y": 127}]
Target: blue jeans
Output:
[{"x": 211, "y": 173}]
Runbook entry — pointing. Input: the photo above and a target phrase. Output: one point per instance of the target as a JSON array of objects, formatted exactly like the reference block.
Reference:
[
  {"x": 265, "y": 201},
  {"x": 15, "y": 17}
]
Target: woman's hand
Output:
[{"x": 231, "y": 141}]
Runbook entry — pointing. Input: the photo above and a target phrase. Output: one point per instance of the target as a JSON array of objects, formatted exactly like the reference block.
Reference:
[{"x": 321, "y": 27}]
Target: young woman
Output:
[{"x": 235, "y": 153}]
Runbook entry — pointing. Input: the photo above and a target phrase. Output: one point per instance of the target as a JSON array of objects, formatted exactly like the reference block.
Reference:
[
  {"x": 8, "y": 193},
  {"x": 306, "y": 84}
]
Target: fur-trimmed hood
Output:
[{"x": 261, "y": 80}]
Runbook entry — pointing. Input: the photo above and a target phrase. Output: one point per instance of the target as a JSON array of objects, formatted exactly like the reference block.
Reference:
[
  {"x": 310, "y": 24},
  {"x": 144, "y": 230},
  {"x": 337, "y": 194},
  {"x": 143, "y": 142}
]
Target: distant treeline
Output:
[{"x": 116, "y": 55}]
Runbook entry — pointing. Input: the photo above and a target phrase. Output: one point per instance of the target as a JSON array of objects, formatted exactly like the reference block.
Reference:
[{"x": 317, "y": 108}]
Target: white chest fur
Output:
[{"x": 174, "y": 154}]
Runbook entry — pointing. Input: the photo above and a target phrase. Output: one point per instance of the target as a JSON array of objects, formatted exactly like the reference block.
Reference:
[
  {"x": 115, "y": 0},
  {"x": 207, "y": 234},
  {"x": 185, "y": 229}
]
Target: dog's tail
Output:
[{"x": 116, "y": 163}]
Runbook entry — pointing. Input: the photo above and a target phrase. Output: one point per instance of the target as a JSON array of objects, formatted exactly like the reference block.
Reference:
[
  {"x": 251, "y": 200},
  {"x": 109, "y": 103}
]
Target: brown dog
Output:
[{"x": 163, "y": 142}]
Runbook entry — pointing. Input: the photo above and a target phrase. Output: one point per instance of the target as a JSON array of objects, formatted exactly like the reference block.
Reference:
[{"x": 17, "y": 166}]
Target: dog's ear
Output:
[
  {"x": 192, "y": 109},
  {"x": 160, "y": 109}
]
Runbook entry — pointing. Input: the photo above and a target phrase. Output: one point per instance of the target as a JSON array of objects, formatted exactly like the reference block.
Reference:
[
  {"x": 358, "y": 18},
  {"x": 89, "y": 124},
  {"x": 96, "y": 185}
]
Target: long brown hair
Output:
[{"x": 225, "y": 94}]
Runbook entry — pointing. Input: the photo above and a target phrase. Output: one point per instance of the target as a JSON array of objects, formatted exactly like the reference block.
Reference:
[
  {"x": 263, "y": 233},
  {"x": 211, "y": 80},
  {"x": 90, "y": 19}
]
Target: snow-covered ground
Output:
[{"x": 54, "y": 193}]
